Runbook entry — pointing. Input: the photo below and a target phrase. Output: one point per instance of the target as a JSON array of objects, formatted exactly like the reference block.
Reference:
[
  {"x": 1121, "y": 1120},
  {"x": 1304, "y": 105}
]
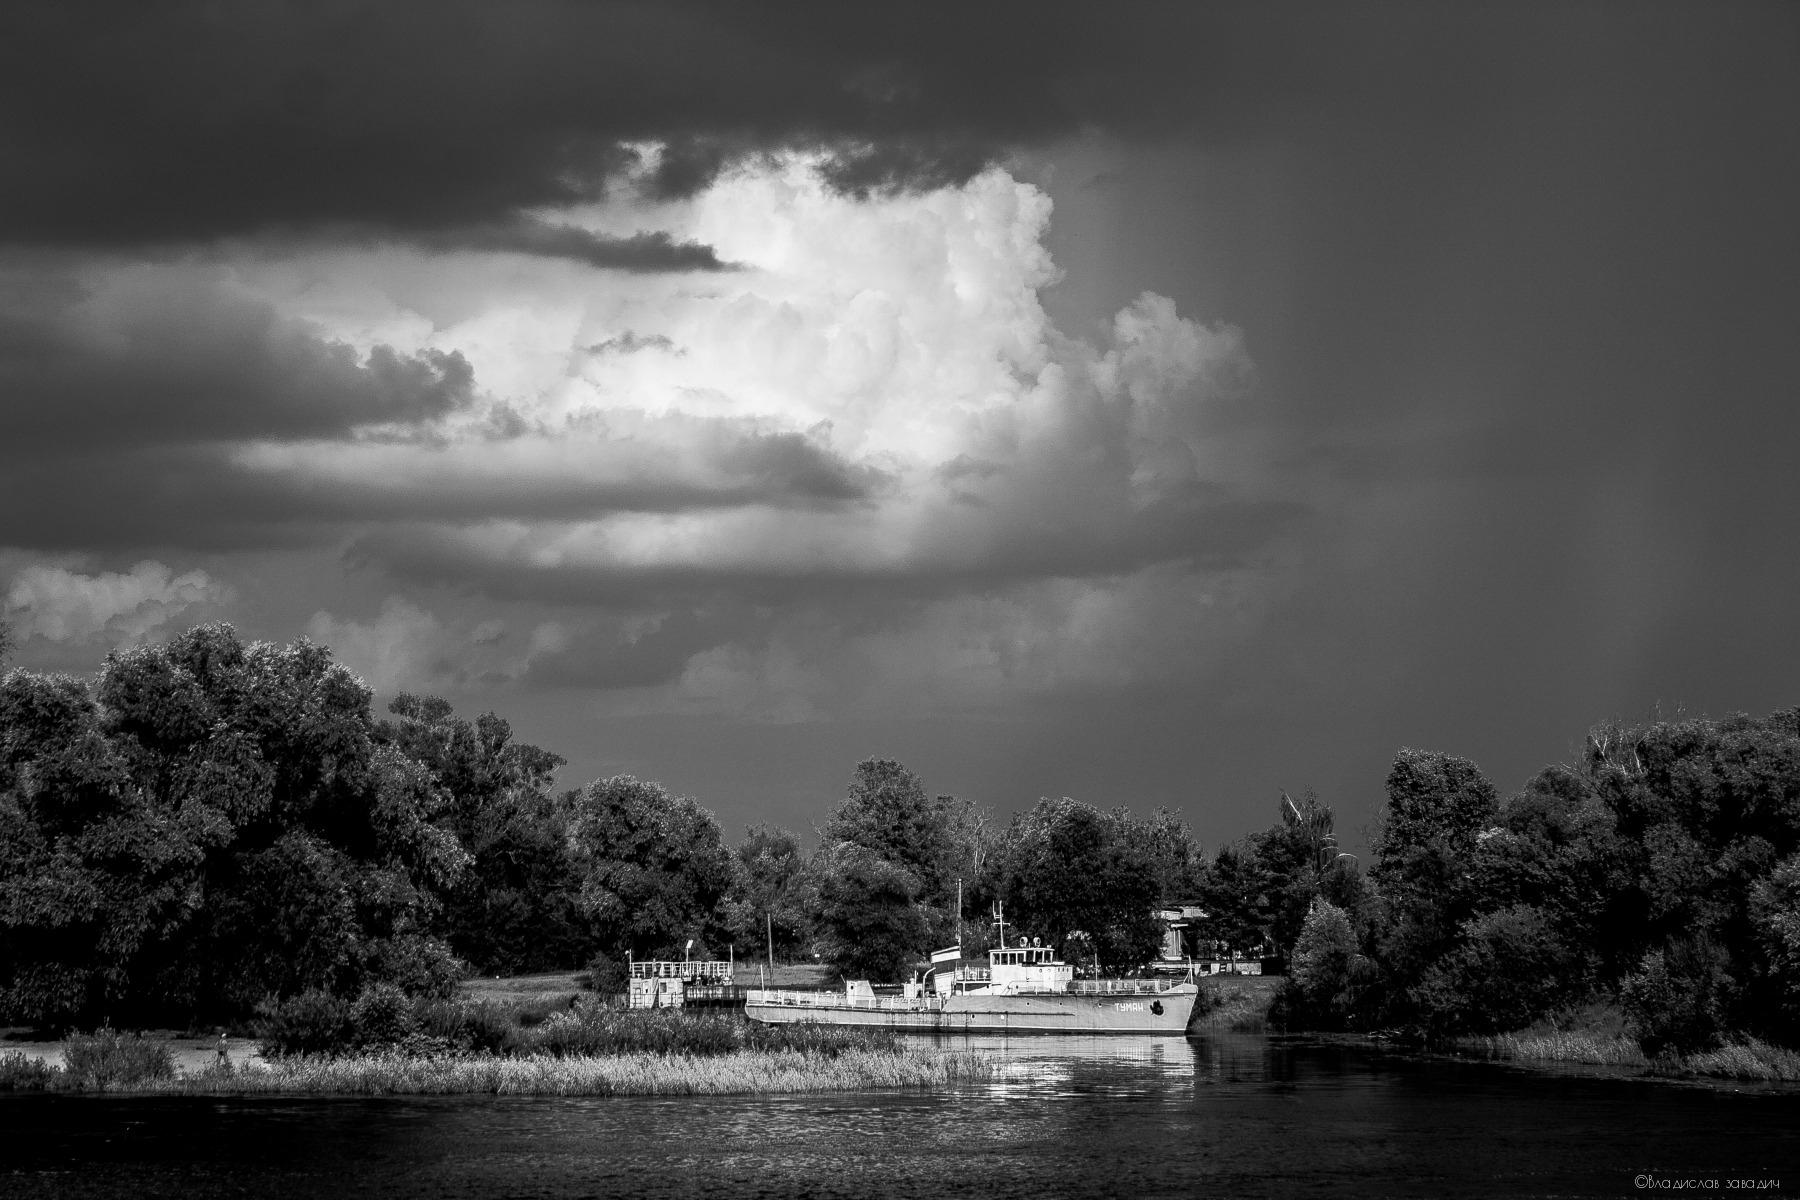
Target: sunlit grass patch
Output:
[
  {"x": 1566, "y": 1046},
  {"x": 1750, "y": 1059},
  {"x": 634, "y": 1074}
]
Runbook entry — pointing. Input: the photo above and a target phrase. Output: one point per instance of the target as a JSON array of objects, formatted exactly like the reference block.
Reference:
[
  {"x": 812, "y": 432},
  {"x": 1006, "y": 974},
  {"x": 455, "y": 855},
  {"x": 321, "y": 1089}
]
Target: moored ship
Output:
[{"x": 1022, "y": 989}]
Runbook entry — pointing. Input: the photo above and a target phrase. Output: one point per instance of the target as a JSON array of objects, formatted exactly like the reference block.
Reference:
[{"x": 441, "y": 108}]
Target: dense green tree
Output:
[
  {"x": 888, "y": 812},
  {"x": 871, "y": 922},
  {"x": 773, "y": 895},
  {"x": 1327, "y": 973},
  {"x": 207, "y": 824},
  {"x": 1653, "y": 867},
  {"x": 653, "y": 867},
  {"x": 1234, "y": 892},
  {"x": 517, "y": 907},
  {"x": 1070, "y": 868},
  {"x": 888, "y": 843}
]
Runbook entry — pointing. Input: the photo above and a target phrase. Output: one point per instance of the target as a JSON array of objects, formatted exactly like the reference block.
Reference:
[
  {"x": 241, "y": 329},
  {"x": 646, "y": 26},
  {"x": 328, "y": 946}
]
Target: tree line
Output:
[
  {"x": 1660, "y": 873},
  {"x": 208, "y": 826}
]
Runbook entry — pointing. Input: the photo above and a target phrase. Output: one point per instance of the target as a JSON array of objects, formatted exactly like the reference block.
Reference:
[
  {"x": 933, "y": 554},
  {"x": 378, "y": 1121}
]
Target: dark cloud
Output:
[
  {"x": 1214, "y": 533},
  {"x": 131, "y": 123},
  {"x": 630, "y": 343},
  {"x": 653, "y": 656},
  {"x": 641, "y": 253},
  {"x": 191, "y": 363},
  {"x": 201, "y": 493}
]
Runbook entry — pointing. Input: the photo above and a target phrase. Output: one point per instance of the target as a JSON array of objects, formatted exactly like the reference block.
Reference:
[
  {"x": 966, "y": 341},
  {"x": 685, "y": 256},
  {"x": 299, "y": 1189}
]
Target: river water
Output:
[{"x": 1227, "y": 1115}]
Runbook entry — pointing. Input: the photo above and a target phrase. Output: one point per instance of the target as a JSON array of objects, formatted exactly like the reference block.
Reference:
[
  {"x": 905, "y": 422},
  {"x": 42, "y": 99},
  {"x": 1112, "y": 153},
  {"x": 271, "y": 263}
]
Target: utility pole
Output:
[{"x": 770, "y": 918}]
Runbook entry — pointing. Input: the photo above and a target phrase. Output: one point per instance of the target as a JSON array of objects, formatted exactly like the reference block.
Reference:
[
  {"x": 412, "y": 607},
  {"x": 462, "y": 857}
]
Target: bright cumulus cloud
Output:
[
  {"x": 60, "y": 605},
  {"x": 835, "y": 448},
  {"x": 875, "y": 389}
]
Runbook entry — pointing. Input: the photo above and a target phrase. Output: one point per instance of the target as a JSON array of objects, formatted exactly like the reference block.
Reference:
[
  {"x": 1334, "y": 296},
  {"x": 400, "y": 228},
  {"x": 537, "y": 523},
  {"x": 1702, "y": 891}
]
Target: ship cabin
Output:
[{"x": 1012, "y": 969}]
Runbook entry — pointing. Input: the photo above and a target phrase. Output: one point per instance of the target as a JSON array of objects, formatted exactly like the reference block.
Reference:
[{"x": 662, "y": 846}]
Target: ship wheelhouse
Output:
[{"x": 1011, "y": 970}]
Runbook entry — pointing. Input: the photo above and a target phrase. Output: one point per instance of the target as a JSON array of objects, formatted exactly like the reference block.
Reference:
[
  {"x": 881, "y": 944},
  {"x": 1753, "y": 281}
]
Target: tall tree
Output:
[
  {"x": 1072, "y": 869},
  {"x": 773, "y": 894},
  {"x": 653, "y": 866},
  {"x": 517, "y": 907},
  {"x": 207, "y": 824},
  {"x": 888, "y": 812},
  {"x": 871, "y": 923}
]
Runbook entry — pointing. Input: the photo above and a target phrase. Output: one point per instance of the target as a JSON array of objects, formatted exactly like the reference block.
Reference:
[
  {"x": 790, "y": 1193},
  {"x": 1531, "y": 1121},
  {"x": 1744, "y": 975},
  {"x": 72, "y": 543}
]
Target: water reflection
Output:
[{"x": 1228, "y": 1114}]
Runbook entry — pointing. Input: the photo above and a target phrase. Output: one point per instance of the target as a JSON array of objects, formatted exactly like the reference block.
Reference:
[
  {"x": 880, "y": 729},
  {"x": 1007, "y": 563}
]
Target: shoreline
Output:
[
  {"x": 631, "y": 1074},
  {"x": 1690, "y": 1071}
]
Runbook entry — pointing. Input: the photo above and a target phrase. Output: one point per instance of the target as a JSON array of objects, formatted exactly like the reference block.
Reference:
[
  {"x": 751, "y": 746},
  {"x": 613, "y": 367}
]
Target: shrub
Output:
[
  {"x": 1325, "y": 976},
  {"x": 381, "y": 1016},
  {"x": 19, "y": 1072},
  {"x": 107, "y": 1058},
  {"x": 1508, "y": 970},
  {"x": 529, "y": 1013},
  {"x": 828, "y": 1041},
  {"x": 592, "y": 1029},
  {"x": 479, "y": 1027},
  {"x": 607, "y": 974},
  {"x": 1676, "y": 998},
  {"x": 313, "y": 1022},
  {"x": 419, "y": 966}
]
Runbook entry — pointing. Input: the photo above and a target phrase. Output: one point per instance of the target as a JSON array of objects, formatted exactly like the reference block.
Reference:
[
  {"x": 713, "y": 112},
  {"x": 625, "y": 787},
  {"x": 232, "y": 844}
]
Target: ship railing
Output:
[
  {"x": 805, "y": 999},
  {"x": 1122, "y": 987}
]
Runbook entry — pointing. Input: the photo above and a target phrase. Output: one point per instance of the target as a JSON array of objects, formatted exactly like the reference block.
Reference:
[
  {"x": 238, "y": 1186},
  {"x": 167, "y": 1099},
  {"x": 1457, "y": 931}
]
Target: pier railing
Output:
[{"x": 703, "y": 971}]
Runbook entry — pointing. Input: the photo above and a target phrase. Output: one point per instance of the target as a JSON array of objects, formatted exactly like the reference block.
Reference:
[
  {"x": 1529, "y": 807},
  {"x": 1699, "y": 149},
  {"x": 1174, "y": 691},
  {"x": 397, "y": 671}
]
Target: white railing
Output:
[
  {"x": 707, "y": 970},
  {"x": 792, "y": 999},
  {"x": 1123, "y": 987}
]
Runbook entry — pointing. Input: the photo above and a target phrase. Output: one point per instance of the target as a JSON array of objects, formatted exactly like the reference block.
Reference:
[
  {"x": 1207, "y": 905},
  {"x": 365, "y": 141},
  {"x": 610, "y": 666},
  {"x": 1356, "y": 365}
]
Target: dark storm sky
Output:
[{"x": 1488, "y": 432}]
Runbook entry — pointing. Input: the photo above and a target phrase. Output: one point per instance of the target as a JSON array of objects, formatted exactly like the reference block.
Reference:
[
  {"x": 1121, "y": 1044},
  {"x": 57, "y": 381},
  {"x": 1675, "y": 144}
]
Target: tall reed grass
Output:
[
  {"x": 598, "y": 1030},
  {"x": 107, "y": 1059},
  {"x": 1566, "y": 1046},
  {"x": 630, "y": 1074},
  {"x": 1750, "y": 1059}
]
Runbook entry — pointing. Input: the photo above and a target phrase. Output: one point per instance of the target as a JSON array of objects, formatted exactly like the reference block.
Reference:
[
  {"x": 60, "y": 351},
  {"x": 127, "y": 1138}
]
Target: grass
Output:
[
  {"x": 1564, "y": 1046},
  {"x": 1597, "y": 1035},
  {"x": 1749, "y": 1059},
  {"x": 590, "y": 1029},
  {"x": 530, "y": 1047},
  {"x": 635, "y": 1074},
  {"x": 1234, "y": 1003},
  {"x": 20, "y": 1072}
]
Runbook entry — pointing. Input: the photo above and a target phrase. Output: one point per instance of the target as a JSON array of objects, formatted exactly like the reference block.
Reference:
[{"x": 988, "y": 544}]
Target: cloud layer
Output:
[
  {"x": 721, "y": 485},
  {"x": 60, "y": 605}
]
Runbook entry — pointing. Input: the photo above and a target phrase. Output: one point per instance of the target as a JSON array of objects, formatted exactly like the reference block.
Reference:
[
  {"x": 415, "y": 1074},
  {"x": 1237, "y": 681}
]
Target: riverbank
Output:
[
  {"x": 585, "y": 1050},
  {"x": 1234, "y": 1004},
  {"x": 784, "y": 1071},
  {"x": 1594, "y": 1042},
  {"x": 1747, "y": 1061}
]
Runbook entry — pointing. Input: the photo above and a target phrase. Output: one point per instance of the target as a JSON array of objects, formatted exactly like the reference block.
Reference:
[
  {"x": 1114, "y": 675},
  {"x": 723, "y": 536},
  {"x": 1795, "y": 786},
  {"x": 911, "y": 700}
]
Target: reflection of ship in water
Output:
[{"x": 1022, "y": 989}]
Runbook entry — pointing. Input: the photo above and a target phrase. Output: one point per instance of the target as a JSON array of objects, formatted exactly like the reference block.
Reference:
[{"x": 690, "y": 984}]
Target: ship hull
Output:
[{"x": 1164, "y": 1012}]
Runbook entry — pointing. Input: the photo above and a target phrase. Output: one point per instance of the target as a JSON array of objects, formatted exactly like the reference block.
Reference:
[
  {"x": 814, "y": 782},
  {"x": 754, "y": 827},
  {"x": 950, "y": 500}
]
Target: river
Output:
[{"x": 1226, "y": 1115}]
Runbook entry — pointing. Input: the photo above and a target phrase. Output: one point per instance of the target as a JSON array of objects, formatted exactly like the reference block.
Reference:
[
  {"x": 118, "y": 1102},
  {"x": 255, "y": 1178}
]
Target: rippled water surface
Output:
[{"x": 1233, "y": 1115}]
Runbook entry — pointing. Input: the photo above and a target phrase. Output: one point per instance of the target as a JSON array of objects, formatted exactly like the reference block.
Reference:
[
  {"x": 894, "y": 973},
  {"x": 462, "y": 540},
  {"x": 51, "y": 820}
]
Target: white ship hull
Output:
[{"x": 1164, "y": 1011}]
